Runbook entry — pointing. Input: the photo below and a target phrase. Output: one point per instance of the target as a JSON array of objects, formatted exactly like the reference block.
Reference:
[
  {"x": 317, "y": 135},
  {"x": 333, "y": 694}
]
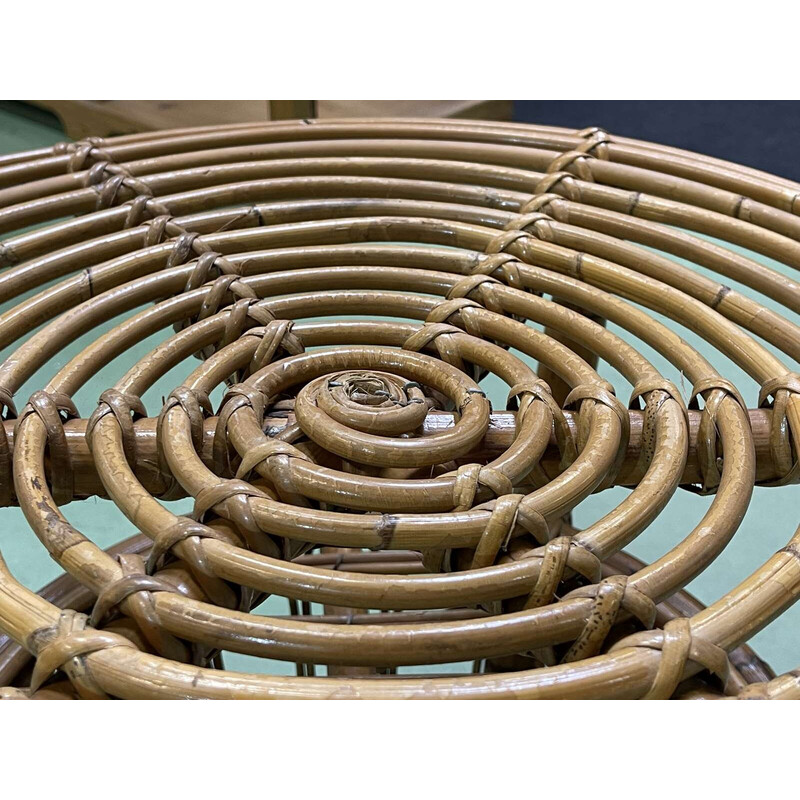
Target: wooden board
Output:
[{"x": 82, "y": 118}]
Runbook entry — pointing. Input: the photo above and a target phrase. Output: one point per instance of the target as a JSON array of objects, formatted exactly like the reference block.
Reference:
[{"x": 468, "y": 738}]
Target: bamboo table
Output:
[{"x": 349, "y": 290}]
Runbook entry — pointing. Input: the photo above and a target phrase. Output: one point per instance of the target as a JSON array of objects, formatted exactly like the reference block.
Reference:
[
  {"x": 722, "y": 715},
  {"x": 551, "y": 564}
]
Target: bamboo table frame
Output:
[{"x": 497, "y": 245}]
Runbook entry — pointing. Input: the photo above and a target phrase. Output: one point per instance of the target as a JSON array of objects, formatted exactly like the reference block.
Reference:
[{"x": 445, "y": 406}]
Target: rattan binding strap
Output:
[{"x": 338, "y": 298}]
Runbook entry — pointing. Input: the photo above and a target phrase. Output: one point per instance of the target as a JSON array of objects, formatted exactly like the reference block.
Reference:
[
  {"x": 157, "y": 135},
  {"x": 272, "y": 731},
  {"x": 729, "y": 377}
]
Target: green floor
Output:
[{"x": 770, "y": 521}]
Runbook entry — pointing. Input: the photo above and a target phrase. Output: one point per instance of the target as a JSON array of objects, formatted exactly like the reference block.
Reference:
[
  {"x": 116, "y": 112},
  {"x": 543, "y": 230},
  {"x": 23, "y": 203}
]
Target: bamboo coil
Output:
[{"x": 342, "y": 300}]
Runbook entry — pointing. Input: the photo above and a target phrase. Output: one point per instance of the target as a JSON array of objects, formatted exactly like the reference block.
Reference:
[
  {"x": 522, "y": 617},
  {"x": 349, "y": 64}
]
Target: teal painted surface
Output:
[
  {"x": 19, "y": 133},
  {"x": 770, "y": 521}
]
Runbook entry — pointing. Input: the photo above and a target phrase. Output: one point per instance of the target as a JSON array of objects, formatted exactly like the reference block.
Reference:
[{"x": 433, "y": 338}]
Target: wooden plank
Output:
[{"x": 82, "y": 118}]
